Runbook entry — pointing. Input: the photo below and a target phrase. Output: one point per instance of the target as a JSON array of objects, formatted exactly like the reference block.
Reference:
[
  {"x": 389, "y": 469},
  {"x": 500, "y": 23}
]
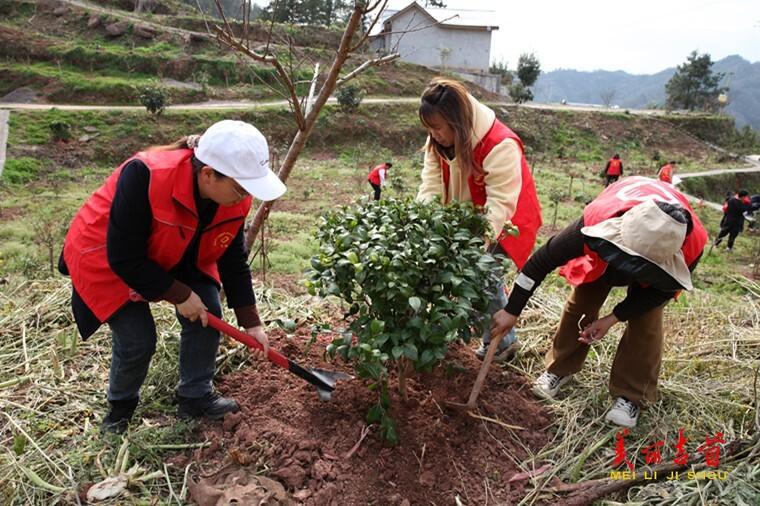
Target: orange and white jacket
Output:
[{"x": 502, "y": 168}]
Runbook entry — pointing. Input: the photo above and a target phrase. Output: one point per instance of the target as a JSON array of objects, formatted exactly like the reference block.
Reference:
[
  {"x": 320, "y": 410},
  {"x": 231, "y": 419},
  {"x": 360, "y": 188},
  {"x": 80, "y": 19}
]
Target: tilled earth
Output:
[{"x": 306, "y": 444}]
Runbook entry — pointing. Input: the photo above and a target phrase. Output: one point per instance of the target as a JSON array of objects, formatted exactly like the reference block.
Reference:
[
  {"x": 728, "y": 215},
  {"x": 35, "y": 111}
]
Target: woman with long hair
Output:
[{"x": 471, "y": 156}]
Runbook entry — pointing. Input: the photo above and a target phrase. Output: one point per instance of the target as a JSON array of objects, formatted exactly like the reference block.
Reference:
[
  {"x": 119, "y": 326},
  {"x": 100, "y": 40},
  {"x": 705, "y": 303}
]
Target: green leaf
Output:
[
  {"x": 388, "y": 426},
  {"x": 410, "y": 352},
  {"x": 376, "y": 326},
  {"x": 427, "y": 358},
  {"x": 396, "y": 352},
  {"x": 374, "y": 414},
  {"x": 415, "y": 303}
]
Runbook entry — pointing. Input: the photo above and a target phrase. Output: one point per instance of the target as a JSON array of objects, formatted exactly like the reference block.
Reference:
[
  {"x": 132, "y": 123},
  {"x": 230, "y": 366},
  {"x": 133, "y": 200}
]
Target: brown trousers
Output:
[{"x": 636, "y": 366}]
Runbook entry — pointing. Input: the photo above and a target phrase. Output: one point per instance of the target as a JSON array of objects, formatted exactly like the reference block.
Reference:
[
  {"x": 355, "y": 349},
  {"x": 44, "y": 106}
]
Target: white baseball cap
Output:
[{"x": 238, "y": 150}]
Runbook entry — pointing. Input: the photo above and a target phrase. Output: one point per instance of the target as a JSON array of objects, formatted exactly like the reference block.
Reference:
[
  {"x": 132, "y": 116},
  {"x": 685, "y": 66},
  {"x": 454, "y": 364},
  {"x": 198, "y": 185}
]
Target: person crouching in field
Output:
[
  {"x": 471, "y": 156},
  {"x": 640, "y": 233},
  {"x": 168, "y": 225},
  {"x": 377, "y": 176}
]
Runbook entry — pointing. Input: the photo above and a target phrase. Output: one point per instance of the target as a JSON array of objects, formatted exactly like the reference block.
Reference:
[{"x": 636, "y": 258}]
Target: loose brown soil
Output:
[{"x": 304, "y": 442}]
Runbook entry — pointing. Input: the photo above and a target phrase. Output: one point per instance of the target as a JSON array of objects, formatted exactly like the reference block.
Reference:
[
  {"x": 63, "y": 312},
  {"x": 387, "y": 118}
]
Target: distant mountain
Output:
[{"x": 640, "y": 91}]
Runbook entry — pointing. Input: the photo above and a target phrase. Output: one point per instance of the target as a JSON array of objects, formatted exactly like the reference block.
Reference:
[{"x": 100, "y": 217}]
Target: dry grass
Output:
[
  {"x": 52, "y": 398},
  {"x": 708, "y": 384}
]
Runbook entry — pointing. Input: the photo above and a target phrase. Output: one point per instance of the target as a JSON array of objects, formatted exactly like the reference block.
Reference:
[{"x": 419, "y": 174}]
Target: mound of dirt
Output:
[{"x": 311, "y": 446}]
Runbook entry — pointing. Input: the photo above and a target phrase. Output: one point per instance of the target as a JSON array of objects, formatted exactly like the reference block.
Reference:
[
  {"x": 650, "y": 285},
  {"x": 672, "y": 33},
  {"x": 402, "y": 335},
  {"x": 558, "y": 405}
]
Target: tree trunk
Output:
[
  {"x": 299, "y": 141},
  {"x": 556, "y": 208},
  {"x": 403, "y": 372}
]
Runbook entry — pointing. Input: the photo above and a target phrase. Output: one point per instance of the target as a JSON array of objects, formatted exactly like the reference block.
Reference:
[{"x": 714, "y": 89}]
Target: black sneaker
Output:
[
  {"x": 117, "y": 419},
  {"x": 212, "y": 406}
]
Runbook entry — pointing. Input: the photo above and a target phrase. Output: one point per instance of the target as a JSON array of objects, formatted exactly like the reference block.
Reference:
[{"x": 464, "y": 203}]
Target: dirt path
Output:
[
  {"x": 3, "y": 137},
  {"x": 241, "y": 104},
  {"x": 718, "y": 207},
  {"x": 717, "y": 172}
]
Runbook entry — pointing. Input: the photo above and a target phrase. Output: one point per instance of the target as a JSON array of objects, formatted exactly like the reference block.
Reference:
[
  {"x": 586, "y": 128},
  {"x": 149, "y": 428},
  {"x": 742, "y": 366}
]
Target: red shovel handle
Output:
[{"x": 274, "y": 356}]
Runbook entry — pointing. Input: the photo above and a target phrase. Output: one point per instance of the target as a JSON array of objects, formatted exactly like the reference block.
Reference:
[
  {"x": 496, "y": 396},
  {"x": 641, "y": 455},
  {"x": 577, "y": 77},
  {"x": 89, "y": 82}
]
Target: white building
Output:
[{"x": 452, "y": 39}]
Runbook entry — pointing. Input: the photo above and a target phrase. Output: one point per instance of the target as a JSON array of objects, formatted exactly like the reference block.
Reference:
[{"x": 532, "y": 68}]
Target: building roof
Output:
[{"x": 447, "y": 18}]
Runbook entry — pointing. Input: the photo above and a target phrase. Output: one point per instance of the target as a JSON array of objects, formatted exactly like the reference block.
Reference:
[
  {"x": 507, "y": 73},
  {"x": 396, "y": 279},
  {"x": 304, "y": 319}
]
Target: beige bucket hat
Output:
[{"x": 648, "y": 232}]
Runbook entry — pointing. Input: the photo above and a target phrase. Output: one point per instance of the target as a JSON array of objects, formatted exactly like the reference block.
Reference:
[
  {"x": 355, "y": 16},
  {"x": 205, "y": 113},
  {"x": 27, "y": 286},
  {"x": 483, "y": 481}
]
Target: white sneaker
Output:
[
  {"x": 548, "y": 384},
  {"x": 624, "y": 413}
]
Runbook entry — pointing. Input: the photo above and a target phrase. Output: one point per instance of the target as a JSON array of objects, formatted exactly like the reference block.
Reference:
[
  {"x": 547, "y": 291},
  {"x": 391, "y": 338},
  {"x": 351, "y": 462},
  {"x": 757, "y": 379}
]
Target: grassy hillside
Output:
[{"x": 69, "y": 56}]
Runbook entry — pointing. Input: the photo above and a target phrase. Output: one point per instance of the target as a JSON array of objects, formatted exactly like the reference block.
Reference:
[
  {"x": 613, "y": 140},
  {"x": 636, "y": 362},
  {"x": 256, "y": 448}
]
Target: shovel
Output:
[
  {"x": 478, "y": 386},
  {"x": 322, "y": 379}
]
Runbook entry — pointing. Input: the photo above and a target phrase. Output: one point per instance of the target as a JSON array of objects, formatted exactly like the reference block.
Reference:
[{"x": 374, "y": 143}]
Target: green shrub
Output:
[
  {"x": 21, "y": 170},
  {"x": 154, "y": 98},
  {"x": 349, "y": 97},
  {"x": 415, "y": 276},
  {"x": 60, "y": 130}
]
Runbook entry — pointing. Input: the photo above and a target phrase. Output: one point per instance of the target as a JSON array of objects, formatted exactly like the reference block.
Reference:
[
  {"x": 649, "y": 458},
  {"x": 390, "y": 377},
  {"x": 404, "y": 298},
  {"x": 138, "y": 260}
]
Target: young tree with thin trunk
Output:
[{"x": 305, "y": 115}]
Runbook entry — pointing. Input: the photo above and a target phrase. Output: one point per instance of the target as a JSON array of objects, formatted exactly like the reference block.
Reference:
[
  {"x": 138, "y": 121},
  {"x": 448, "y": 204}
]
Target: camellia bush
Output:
[{"x": 415, "y": 277}]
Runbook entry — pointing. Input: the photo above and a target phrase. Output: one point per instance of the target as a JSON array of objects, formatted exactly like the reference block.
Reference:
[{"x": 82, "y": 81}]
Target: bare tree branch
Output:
[
  {"x": 228, "y": 39},
  {"x": 306, "y": 113},
  {"x": 364, "y": 66},
  {"x": 372, "y": 25},
  {"x": 271, "y": 26},
  {"x": 224, "y": 18},
  {"x": 299, "y": 141}
]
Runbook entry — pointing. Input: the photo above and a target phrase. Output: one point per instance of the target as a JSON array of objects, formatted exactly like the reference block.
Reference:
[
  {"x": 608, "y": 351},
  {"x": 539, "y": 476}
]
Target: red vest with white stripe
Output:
[
  {"x": 615, "y": 200},
  {"x": 527, "y": 216},
  {"x": 174, "y": 223}
]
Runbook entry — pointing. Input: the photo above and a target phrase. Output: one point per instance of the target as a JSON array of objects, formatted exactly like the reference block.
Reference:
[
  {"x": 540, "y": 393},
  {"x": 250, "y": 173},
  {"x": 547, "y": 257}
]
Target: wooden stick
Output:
[
  {"x": 494, "y": 420},
  {"x": 478, "y": 386}
]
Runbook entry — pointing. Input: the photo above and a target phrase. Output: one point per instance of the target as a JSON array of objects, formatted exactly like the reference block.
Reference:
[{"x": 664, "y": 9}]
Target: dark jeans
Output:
[
  {"x": 134, "y": 341},
  {"x": 376, "y": 187},
  {"x": 731, "y": 232},
  {"x": 611, "y": 179}
]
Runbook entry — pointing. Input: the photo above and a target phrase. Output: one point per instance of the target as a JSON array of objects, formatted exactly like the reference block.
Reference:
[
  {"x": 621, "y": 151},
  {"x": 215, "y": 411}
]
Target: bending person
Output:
[{"x": 640, "y": 233}]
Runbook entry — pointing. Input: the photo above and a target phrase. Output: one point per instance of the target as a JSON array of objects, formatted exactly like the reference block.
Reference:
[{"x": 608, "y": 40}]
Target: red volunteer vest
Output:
[
  {"x": 666, "y": 173},
  {"x": 614, "y": 168},
  {"x": 173, "y": 226},
  {"x": 527, "y": 217},
  {"x": 374, "y": 174},
  {"x": 615, "y": 200}
]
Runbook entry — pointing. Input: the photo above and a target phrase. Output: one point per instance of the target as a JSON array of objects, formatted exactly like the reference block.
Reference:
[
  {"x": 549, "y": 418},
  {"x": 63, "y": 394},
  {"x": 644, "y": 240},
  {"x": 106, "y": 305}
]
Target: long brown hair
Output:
[
  {"x": 184, "y": 143},
  {"x": 180, "y": 143},
  {"x": 448, "y": 98}
]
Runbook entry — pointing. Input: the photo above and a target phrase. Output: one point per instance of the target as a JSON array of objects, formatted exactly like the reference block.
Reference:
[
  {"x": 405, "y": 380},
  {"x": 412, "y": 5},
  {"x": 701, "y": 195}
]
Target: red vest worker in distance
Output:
[
  {"x": 666, "y": 172},
  {"x": 613, "y": 170},
  {"x": 377, "y": 177},
  {"x": 168, "y": 225}
]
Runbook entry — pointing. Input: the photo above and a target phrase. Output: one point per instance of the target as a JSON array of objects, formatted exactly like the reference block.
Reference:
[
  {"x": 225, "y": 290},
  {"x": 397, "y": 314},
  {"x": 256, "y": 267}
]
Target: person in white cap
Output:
[
  {"x": 168, "y": 225},
  {"x": 640, "y": 233}
]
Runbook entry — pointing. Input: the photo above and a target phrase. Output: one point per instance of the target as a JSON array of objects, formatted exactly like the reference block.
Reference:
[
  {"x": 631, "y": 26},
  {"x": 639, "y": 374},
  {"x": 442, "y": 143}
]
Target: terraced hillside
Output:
[{"x": 81, "y": 52}]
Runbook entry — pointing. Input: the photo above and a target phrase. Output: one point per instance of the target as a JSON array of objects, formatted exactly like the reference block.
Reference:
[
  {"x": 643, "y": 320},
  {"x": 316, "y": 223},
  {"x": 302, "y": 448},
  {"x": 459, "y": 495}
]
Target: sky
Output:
[{"x": 639, "y": 37}]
